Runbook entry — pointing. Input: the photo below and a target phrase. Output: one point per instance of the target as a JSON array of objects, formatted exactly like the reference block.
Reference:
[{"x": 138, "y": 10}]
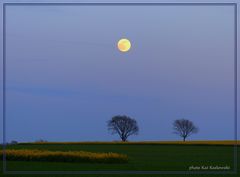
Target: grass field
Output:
[{"x": 143, "y": 156}]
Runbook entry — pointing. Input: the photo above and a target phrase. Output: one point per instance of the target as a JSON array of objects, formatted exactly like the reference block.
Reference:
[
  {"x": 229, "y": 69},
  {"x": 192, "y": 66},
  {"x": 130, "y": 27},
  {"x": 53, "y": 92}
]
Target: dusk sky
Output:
[{"x": 66, "y": 77}]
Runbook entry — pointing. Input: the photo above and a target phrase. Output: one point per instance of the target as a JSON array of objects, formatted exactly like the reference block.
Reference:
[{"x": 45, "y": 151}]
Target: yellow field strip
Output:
[{"x": 64, "y": 156}]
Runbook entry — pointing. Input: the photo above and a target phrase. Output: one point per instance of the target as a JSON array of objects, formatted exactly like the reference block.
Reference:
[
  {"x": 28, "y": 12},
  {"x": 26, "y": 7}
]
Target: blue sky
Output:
[{"x": 66, "y": 78}]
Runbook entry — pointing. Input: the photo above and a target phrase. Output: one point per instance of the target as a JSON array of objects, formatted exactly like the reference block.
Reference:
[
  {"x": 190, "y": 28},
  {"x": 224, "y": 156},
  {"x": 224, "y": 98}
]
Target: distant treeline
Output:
[{"x": 226, "y": 142}]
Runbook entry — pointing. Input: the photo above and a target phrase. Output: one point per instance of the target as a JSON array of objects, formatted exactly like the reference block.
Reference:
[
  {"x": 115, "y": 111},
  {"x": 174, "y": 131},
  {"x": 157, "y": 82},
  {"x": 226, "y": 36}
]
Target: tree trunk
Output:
[
  {"x": 184, "y": 138},
  {"x": 123, "y": 139}
]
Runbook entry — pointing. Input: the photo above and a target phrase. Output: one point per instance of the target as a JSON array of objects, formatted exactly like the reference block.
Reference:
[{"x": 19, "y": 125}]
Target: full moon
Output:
[{"x": 124, "y": 45}]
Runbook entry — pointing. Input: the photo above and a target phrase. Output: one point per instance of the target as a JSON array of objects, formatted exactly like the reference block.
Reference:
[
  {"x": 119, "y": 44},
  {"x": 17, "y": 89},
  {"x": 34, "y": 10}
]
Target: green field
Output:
[{"x": 142, "y": 157}]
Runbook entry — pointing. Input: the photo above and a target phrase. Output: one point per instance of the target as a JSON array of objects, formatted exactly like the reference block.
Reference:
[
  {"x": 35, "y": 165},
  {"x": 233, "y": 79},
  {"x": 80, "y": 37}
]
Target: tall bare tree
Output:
[
  {"x": 184, "y": 128},
  {"x": 124, "y": 126}
]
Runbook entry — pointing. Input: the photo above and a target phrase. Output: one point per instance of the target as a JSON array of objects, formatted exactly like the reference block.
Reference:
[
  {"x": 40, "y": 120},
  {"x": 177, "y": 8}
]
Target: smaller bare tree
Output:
[
  {"x": 184, "y": 128},
  {"x": 124, "y": 126}
]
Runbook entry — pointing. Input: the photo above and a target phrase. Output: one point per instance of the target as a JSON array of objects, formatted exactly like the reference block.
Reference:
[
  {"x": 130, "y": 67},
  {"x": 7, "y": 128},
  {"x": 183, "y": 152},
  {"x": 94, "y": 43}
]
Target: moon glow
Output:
[{"x": 124, "y": 45}]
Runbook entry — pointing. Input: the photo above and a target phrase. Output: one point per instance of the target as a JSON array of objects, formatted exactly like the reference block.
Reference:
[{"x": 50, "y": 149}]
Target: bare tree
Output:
[
  {"x": 184, "y": 128},
  {"x": 124, "y": 126}
]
